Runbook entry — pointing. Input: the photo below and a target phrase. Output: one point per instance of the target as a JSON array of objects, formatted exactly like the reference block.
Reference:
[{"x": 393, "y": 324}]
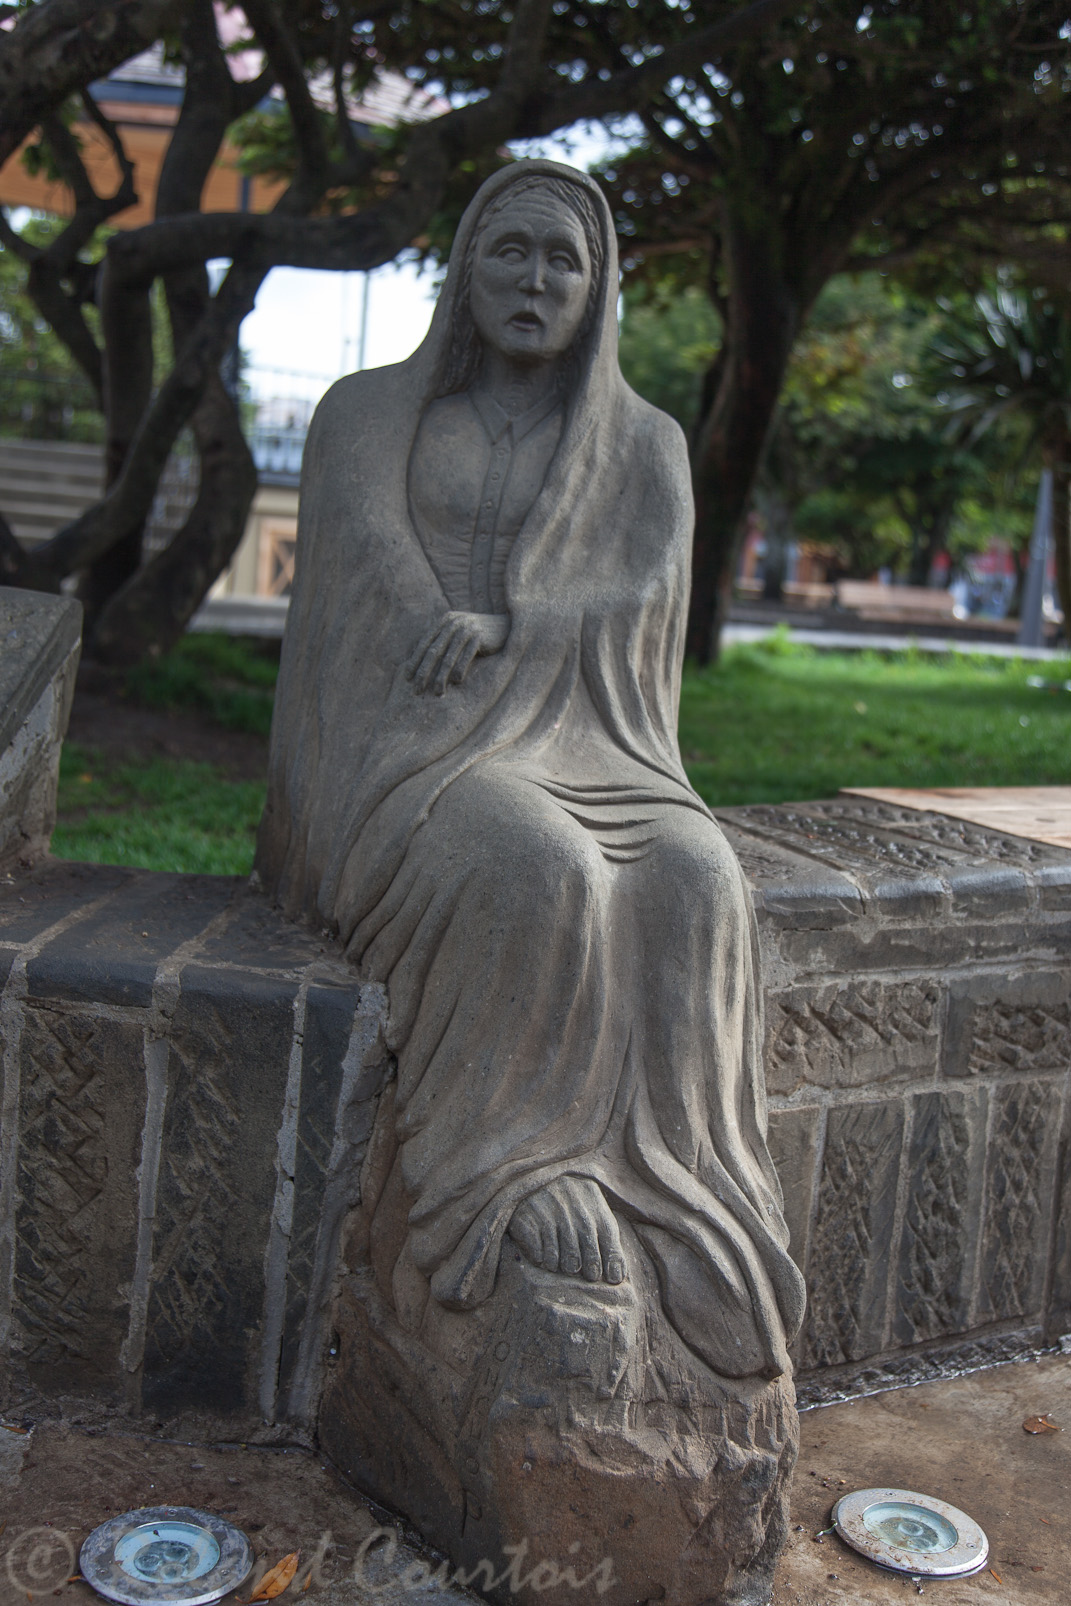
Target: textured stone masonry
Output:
[
  {"x": 918, "y": 1056},
  {"x": 189, "y": 1084},
  {"x": 174, "y": 1158}
]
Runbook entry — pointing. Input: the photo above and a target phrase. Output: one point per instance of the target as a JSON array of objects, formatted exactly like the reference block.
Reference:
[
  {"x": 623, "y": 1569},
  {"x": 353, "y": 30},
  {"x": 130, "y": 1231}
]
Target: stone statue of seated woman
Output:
[{"x": 567, "y": 1299}]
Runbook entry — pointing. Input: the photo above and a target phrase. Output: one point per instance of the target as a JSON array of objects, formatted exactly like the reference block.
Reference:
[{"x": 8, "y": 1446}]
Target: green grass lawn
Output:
[
  {"x": 778, "y": 723},
  {"x": 165, "y": 814},
  {"x": 769, "y": 723}
]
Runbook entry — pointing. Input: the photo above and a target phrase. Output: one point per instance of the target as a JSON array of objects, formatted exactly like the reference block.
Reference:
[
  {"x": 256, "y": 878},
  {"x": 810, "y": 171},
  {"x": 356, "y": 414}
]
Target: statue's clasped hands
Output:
[{"x": 444, "y": 657}]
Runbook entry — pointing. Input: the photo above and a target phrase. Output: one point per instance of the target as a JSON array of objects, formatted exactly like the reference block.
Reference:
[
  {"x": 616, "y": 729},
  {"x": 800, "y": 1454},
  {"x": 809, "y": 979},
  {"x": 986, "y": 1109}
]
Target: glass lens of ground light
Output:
[
  {"x": 910, "y": 1527},
  {"x": 167, "y": 1552}
]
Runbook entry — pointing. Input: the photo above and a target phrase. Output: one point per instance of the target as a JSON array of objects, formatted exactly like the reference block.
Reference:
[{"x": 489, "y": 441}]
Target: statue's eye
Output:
[
  {"x": 566, "y": 261},
  {"x": 510, "y": 253}
]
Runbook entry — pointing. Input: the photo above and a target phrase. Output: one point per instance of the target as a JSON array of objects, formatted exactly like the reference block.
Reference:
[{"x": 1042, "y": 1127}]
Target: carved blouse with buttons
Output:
[{"x": 473, "y": 476}]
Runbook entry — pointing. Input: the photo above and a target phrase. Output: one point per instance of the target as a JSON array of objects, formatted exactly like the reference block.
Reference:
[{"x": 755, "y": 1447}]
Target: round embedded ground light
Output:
[
  {"x": 171, "y": 1555},
  {"x": 911, "y": 1533}
]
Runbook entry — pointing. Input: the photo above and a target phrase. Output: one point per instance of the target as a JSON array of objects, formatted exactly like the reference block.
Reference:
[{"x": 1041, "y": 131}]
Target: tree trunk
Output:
[
  {"x": 1061, "y": 532},
  {"x": 927, "y": 539},
  {"x": 126, "y": 324},
  {"x": 149, "y": 614},
  {"x": 764, "y": 315},
  {"x": 139, "y": 611}
]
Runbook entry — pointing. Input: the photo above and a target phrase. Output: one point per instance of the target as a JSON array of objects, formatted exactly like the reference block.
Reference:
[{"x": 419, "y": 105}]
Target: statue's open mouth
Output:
[{"x": 526, "y": 320}]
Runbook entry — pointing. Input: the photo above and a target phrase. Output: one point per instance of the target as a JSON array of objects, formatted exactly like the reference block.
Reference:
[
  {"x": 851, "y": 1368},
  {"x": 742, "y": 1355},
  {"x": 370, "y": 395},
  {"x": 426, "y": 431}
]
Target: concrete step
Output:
[
  {"x": 34, "y": 479},
  {"x": 46, "y": 484},
  {"x": 18, "y": 501},
  {"x": 65, "y": 451}
]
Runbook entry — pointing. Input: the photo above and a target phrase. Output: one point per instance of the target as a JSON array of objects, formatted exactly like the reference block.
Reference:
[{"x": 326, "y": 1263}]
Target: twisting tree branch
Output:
[
  {"x": 314, "y": 162},
  {"x": 54, "y": 49},
  {"x": 343, "y": 34}
]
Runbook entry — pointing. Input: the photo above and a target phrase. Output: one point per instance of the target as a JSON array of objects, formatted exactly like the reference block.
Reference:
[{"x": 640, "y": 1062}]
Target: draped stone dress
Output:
[{"x": 566, "y": 939}]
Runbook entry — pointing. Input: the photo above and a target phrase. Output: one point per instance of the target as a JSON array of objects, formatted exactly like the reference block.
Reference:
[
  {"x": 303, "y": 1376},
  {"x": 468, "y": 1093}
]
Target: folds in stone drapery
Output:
[{"x": 570, "y": 956}]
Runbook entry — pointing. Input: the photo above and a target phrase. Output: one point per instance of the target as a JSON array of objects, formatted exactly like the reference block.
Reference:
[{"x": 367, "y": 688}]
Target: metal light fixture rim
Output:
[
  {"x": 969, "y": 1555},
  {"x": 106, "y": 1575}
]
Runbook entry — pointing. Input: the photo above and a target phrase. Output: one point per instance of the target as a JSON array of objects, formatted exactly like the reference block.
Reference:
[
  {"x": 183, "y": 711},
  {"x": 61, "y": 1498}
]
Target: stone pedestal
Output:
[{"x": 563, "y": 1439}]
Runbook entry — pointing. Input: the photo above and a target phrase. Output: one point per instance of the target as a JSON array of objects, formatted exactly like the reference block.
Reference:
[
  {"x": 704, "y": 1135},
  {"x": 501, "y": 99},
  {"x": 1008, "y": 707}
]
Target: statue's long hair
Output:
[{"x": 466, "y": 348}]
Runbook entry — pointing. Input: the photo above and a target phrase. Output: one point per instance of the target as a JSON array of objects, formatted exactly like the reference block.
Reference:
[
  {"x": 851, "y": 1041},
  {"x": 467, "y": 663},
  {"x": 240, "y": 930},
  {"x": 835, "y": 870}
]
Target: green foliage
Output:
[
  {"x": 230, "y": 679},
  {"x": 163, "y": 814},
  {"x": 1005, "y": 359},
  {"x": 1006, "y": 352},
  {"x": 860, "y": 459},
  {"x": 791, "y": 723},
  {"x": 813, "y": 126},
  {"x": 44, "y": 395},
  {"x": 859, "y": 447},
  {"x": 668, "y": 341}
]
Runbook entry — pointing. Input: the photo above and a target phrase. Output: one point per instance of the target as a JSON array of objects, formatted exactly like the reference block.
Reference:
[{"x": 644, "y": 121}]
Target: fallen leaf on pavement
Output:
[
  {"x": 997, "y": 1576},
  {"x": 1040, "y": 1424},
  {"x": 274, "y": 1582}
]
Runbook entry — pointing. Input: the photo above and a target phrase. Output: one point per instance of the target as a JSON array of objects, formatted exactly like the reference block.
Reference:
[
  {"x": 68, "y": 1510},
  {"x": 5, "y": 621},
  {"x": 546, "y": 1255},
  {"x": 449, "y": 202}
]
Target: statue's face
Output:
[{"x": 530, "y": 279}]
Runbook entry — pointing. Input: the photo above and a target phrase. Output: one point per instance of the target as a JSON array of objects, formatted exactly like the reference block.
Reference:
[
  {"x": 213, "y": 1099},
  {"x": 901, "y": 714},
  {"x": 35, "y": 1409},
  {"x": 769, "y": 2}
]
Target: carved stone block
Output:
[
  {"x": 1017, "y": 1224},
  {"x": 113, "y": 955},
  {"x": 80, "y": 1129},
  {"x": 851, "y": 1033},
  {"x": 946, "y": 1164},
  {"x": 329, "y": 1013},
  {"x": 51, "y": 893},
  {"x": 227, "y": 1076},
  {"x": 999, "y": 1022},
  {"x": 849, "y": 1261},
  {"x": 793, "y": 1141},
  {"x": 656, "y": 1486},
  {"x": 1059, "y": 1316}
]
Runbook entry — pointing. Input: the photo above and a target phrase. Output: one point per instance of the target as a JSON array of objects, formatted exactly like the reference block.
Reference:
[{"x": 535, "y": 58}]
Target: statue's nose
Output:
[{"x": 534, "y": 276}]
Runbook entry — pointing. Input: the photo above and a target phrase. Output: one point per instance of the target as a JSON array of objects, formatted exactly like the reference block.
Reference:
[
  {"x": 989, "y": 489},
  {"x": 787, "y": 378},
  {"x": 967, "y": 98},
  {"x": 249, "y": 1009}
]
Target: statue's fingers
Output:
[
  {"x": 463, "y": 661},
  {"x": 451, "y": 653},
  {"x": 419, "y": 652},
  {"x": 524, "y": 1230},
  {"x": 433, "y": 654},
  {"x": 425, "y": 664}
]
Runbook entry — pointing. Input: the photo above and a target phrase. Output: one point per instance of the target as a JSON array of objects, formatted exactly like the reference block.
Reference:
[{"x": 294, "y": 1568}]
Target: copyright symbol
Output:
[{"x": 40, "y": 1559}]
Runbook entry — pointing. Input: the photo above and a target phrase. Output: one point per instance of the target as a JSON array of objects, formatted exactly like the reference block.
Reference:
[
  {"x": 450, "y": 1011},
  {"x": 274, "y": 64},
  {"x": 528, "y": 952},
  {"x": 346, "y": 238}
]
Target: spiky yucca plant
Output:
[{"x": 1009, "y": 352}]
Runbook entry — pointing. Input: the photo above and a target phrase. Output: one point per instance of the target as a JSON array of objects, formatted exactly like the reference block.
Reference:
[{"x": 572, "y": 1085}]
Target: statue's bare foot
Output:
[{"x": 568, "y": 1227}]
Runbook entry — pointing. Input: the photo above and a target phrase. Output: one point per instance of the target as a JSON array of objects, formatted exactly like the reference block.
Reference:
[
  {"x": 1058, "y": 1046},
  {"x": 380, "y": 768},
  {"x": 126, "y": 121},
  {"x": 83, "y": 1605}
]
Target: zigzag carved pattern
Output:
[
  {"x": 1027, "y": 1037},
  {"x": 1014, "y": 1217},
  {"x": 935, "y": 1229},
  {"x": 837, "y": 1023},
  {"x": 856, "y": 1199},
  {"x": 195, "y": 1211},
  {"x": 62, "y": 1171}
]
